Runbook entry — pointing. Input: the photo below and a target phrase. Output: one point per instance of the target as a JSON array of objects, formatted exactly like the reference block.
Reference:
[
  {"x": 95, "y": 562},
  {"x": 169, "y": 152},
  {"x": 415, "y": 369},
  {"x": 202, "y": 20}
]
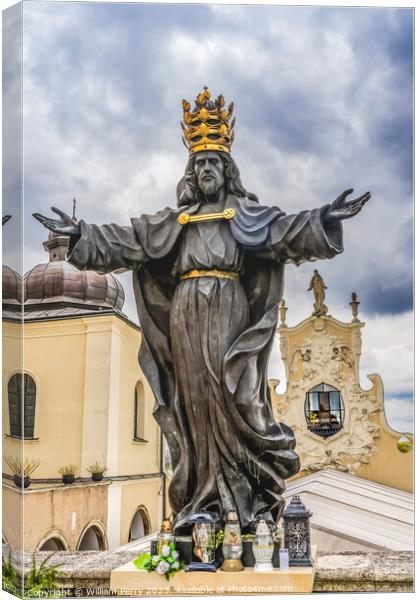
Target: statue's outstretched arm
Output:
[
  {"x": 340, "y": 209},
  {"x": 101, "y": 248},
  {"x": 65, "y": 225},
  {"x": 313, "y": 234}
]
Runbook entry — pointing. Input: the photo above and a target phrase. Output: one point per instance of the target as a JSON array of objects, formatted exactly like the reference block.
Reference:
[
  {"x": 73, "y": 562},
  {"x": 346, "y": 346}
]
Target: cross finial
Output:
[{"x": 283, "y": 310}]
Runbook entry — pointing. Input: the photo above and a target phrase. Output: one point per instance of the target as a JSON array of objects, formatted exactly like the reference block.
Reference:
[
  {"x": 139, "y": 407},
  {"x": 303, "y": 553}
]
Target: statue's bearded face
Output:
[{"x": 209, "y": 170}]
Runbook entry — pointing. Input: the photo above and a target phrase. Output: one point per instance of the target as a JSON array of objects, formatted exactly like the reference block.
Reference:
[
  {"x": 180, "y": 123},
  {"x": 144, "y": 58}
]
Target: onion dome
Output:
[
  {"x": 59, "y": 282},
  {"x": 12, "y": 291},
  {"x": 12, "y": 287}
]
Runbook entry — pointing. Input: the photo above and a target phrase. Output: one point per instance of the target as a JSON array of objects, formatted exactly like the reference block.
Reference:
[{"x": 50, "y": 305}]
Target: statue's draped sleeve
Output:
[
  {"x": 106, "y": 248},
  {"x": 306, "y": 236},
  {"x": 296, "y": 238}
]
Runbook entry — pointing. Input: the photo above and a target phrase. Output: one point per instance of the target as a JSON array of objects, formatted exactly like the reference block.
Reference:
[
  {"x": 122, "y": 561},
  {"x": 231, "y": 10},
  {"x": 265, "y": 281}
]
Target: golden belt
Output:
[{"x": 210, "y": 273}]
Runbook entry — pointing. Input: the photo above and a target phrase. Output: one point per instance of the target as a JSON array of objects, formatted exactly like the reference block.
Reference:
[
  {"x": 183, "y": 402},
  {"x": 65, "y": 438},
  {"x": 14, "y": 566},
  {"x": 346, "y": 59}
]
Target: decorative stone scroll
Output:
[{"x": 323, "y": 351}]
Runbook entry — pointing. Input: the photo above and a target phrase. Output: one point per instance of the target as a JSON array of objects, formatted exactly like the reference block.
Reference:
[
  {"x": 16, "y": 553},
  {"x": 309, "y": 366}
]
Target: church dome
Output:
[
  {"x": 11, "y": 282},
  {"x": 58, "y": 281},
  {"x": 11, "y": 286}
]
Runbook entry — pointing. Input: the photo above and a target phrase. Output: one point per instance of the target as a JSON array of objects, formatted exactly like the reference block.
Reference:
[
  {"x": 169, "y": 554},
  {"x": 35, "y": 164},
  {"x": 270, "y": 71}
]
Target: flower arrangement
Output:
[{"x": 167, "y": 563}]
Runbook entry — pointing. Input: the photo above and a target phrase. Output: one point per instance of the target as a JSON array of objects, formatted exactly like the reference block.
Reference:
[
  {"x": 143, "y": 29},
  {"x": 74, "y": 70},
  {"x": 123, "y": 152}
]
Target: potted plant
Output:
[
  {"x": 68, "y": 473},
  {"x": 22, "y": 470},
  {"x": 97, "y": 471}
]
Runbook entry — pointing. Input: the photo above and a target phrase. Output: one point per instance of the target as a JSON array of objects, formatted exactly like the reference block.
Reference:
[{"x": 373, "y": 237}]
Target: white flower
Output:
[
  {"x": 155, "y": 558},
  {"x": 175, "y": 554},
  {"x": 166, "y": 551},
  {"x": 175, "y": 565},
  {"x": 162, "y": 567}
]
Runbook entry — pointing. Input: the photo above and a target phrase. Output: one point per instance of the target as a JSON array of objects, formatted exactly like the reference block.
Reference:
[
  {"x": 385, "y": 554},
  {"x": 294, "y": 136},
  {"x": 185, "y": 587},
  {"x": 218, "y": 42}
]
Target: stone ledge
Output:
[{"x": 383, "y": 571}]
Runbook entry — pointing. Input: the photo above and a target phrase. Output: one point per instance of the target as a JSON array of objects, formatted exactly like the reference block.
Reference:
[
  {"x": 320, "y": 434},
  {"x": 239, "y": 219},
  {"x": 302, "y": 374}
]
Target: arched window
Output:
[
  {"x": 140, "y": 525},
  {"x": 53, "y": 541},
  {"x": 139, "y": 412},
  {"x": 22, "y": 395},
  {"x": 53, "y": 544},
  {"x": 324, "y": 410},
  {"x": 92, "y": 539}
]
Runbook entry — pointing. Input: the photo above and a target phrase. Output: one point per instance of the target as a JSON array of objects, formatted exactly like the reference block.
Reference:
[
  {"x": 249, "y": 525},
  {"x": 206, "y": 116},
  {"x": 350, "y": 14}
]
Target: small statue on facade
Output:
[
  {"x": 342, "y": 354},
  {"x": 318, "y": 286},
  {"x": 329, "y": 461}
]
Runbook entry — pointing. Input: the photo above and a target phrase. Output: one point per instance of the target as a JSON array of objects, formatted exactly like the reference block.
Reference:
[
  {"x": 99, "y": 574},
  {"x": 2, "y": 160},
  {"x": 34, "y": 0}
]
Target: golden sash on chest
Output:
[{"x": 185, "y": 218}]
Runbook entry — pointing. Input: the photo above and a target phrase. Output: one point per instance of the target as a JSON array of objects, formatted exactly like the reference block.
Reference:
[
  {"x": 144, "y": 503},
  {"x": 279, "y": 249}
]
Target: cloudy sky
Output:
[{"x": 323, "y": 99}]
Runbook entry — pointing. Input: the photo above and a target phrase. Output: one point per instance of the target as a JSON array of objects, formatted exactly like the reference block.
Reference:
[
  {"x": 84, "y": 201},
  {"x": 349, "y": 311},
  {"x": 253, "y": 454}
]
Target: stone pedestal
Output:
[{"x": 129, "y": 581}]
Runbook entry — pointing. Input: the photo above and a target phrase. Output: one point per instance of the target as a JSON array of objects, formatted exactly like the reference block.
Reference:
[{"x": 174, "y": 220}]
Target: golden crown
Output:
[{"x": 207, "y": 126}]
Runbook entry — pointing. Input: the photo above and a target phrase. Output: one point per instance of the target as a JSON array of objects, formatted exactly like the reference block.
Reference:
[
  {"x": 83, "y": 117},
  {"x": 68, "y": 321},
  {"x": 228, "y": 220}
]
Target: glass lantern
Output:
[
  {"x": 263, "y": 547},
  {"x": 297, "y": 535},
  {"x": 165, "y": 537},
  {"x": 204, "y": 541},
  {"x": 232, "y": 544}
]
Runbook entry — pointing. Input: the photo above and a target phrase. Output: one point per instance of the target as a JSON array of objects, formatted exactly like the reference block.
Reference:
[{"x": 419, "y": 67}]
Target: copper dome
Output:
[
  {"x": 11, "y": 287},
  {"x": 58, "y": 281}
]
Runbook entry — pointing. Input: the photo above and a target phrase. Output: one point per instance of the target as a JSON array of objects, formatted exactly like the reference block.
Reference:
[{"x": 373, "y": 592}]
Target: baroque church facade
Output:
[{"x": 356, "y": 471}]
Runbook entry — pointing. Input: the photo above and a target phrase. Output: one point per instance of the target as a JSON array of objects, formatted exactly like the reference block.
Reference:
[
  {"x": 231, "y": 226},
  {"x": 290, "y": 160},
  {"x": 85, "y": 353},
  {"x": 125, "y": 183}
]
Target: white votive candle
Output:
[{"x": 284, "y": 558}]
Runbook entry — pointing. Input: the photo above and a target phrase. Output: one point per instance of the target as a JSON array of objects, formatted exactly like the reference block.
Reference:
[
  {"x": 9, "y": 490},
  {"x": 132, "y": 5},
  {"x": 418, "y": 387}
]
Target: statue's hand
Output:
[
  {"x": 340, "y": 209},
  {"x": 65, "y": 225}
]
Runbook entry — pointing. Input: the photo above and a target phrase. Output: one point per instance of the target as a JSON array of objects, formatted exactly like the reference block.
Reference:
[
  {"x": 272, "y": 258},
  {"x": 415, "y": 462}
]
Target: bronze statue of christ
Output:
[{"x": 208, "y": 278}]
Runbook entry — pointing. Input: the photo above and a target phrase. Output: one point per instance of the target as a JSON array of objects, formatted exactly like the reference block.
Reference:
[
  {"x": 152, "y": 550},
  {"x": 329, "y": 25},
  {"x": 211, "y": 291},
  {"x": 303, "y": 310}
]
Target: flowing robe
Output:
[{"x": 207, "y": 341}]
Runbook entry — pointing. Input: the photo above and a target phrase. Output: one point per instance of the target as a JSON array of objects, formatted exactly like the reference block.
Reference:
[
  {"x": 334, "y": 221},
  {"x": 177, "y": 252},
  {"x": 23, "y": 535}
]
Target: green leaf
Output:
[{"x": 142, "y": 561}]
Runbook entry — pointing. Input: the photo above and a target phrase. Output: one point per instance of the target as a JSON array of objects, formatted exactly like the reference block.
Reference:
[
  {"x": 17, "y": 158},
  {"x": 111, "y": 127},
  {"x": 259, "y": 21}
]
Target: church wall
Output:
[
  {"x": 54, "y": 354},
  {"x": 101, "y": 393},
  {"x": 135, "y": 456},
  {"x": 86, "y": 371},
  {"x": 147, "y": 493},
  {"x": 66, "y": 509},
  {"x": 388, "y": 465},
  {"x": 12, "y": 516},
  {"x": 12, "y": 363}
]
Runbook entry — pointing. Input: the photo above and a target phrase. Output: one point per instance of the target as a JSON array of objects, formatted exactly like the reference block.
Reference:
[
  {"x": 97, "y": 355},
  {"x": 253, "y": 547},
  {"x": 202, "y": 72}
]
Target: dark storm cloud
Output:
[{"x": 389, "y": 300}]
